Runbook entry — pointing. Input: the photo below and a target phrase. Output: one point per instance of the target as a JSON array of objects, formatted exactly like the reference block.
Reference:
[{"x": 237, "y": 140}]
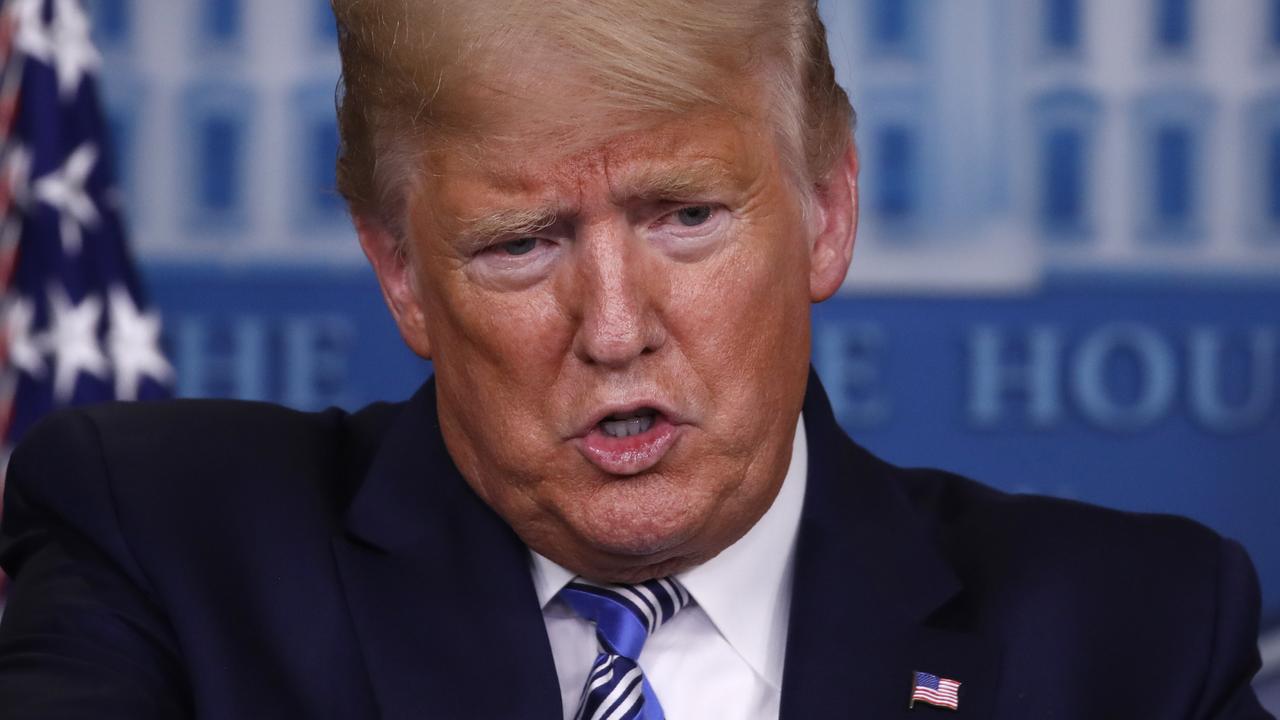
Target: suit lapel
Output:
[
  {"x": 439, "y": 587},
  {"x": 873, "y": 600}
]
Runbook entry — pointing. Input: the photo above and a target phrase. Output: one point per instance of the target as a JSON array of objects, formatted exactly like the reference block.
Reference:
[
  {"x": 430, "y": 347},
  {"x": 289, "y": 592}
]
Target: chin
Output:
[
  {"x": 646, "y": 531},
  {"x": 639, "y": 545},
  {"x": 638, "y": 558}
]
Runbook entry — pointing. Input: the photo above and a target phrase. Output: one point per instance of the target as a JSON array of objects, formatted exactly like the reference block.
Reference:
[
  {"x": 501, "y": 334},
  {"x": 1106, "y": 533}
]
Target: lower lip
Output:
[{"x": 629, "y": 455}]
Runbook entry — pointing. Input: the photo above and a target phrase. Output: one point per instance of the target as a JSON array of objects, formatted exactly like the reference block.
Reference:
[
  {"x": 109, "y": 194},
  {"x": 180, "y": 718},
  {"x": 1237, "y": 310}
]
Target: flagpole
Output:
[
  {"x": 10, "y": 221},
  {"x": 10, "y": 231}
]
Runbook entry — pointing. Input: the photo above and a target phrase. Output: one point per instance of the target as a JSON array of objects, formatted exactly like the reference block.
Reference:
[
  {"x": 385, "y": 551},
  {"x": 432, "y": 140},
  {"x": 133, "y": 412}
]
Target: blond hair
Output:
[{"x": 425, "y": 75}]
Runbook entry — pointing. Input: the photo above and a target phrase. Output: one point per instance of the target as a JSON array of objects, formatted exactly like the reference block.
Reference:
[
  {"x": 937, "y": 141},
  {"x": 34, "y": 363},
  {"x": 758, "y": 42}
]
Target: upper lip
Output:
[{"x": 622, "y": 408}]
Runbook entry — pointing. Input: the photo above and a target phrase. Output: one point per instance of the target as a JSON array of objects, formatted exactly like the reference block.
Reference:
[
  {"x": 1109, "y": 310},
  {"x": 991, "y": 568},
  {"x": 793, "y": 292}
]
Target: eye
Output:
[
  {"x": 518, "y": 247},
  {"x": 691, "y": 232},
  {"x": 694, "y": 215}
]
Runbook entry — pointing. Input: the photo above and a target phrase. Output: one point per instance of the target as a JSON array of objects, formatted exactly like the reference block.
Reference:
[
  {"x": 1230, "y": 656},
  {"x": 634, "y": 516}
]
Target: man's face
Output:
[{"x": 620, "y": 336}]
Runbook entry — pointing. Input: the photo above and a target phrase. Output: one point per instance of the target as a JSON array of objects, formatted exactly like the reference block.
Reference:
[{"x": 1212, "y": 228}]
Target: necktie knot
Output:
[{"x": 625, "y": 615}]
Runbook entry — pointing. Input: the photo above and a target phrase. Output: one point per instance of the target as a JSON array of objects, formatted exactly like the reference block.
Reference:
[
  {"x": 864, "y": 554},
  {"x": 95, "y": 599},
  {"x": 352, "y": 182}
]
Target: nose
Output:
[{"x": 616, "y": 305}]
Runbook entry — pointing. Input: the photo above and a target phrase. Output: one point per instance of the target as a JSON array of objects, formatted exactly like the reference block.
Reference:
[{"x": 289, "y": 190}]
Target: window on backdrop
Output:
[
  {"x": 1062, "y": 28},
  {"x": 112, "y": 22},
  {"x": 1271, "y": 203},
  {"x": 220, "y": 21},
  {"x": 1065, "y": 123},
  {"x": 897, "y": 192},
  {"x": 317, "y": 201},
  {"x": 218, "y": 147},
  {"x": 1273, "y": 26},
  {"x": 894, "y": 28},
  {"x": 1173, "y": 25},
  {"x": 1171, "y": 142}
]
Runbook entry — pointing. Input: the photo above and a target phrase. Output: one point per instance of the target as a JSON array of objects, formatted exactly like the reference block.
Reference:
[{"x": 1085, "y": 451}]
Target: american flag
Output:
[
  {"x": 76, "y": 326},
  {"x": 938, "y": 691}
]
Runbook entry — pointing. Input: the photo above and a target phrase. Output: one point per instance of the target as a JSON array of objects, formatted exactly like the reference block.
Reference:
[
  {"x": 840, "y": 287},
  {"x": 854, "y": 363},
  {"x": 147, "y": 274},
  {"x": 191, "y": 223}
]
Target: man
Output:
[{"x": 623, "y": 494}]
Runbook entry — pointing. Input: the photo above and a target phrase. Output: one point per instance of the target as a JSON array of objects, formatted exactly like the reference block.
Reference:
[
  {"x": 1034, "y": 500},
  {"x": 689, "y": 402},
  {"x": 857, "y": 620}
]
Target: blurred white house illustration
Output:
[
  {"x": 1007, "y": 140},
  {"x": 1001, "y": 140},
  {"x": 223, "y": 112}
]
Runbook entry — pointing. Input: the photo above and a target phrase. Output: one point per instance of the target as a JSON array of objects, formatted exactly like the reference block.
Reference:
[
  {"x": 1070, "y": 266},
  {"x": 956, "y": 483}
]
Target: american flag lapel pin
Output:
[{"x": 935, "y": 690}]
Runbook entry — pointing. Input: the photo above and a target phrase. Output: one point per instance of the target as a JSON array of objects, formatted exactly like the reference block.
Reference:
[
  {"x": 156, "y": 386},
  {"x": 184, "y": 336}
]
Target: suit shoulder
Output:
[
  {"x": 199, "y": 451},
  {"x": 1159, "y": 592},
  {"x": 955, "y": 504},
  {"x": 196, "y": 426},
  {"x": 1042, "y": 544}
]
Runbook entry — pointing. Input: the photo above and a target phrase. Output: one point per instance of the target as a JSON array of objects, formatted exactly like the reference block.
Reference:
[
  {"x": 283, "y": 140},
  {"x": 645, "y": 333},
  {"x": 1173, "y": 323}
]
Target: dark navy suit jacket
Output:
[{"x": 234, "y": 560}]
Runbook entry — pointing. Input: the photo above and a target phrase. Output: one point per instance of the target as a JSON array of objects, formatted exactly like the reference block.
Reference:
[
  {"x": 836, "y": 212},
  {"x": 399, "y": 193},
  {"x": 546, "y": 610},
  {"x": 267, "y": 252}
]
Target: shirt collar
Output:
[
  {"x": 549, "y": 578},
  {"x": 746, "y": 589}
]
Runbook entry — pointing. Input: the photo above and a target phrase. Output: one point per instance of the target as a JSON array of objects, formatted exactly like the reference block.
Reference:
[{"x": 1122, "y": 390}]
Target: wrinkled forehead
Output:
[
  {"x": 705, "y": 156},
  {"x": 736, "y": 144}
]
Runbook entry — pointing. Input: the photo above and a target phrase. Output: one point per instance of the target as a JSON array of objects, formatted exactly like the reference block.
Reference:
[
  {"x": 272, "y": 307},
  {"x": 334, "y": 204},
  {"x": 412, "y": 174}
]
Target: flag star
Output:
[
  {"x": 25, "y": 348},
  {"x": 64, "y": 190},
  {"x": 133, "y": 342},
  {"x": 74, "y": 55},
  {"x": 32, "y": 37},
  {"x": 73, "y": 337}
]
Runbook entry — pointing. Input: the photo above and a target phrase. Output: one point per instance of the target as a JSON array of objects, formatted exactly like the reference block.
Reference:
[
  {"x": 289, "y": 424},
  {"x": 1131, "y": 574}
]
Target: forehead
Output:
[{"x": 700, "y": 152}]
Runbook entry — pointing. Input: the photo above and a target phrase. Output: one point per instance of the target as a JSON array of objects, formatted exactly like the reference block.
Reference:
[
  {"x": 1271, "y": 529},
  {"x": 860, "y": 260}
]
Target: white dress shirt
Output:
[{"x": 722, "y": 656}]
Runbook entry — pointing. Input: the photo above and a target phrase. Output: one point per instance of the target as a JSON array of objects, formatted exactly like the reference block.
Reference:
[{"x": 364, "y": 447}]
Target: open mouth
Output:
[
  {"x": 621, "y": 425},
  {"x": 629, "y": 441}
]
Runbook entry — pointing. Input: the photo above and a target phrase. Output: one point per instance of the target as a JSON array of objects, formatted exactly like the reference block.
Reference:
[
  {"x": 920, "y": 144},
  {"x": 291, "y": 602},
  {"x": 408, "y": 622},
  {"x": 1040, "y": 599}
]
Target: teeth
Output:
[{"x": 627, "y": 427}]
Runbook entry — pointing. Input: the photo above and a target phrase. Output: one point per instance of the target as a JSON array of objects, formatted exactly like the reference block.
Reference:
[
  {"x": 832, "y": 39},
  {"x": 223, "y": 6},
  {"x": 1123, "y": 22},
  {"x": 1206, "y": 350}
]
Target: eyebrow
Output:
[
  {"x": 479, "y": 232},
  {"x": 685, "y": 182}
]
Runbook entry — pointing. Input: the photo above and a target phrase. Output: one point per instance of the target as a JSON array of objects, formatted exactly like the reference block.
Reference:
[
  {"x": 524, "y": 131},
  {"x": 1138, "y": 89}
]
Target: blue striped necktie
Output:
[{"x": 625, "y": 616}]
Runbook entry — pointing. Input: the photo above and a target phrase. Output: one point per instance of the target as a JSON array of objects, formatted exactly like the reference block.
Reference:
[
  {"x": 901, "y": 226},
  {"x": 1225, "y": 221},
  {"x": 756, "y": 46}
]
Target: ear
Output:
[
  {"x": 835, "y": 224},
  {"x": 396, "y": 276}
]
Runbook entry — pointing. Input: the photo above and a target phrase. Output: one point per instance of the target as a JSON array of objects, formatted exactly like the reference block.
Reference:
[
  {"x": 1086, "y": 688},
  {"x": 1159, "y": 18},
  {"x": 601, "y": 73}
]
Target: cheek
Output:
[
  {"x": 494, "y": 355},
  {"x": 743, "y": 323},
  {"x": 748, "y": 298},
  {"x": 507, "y": 334}
]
